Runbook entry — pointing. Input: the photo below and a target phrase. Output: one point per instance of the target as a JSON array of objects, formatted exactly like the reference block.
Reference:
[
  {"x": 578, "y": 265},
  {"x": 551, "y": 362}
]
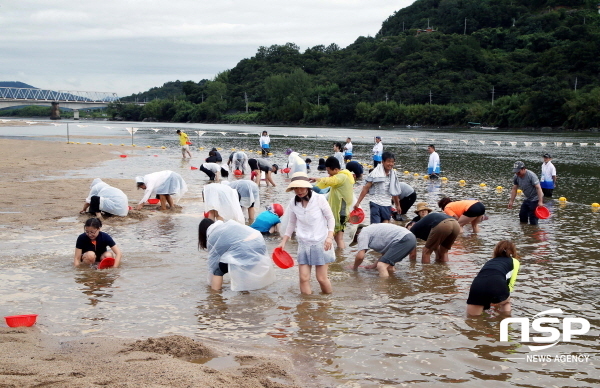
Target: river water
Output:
[{"x": 409, "y": 329}]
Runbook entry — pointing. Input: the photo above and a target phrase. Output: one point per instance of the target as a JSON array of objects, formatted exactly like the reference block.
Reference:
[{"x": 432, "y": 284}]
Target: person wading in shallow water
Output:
[{"x": 92, "y": 245}]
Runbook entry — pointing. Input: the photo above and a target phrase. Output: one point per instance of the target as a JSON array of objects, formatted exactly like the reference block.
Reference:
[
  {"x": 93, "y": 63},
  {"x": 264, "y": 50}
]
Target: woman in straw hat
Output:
[
  {"x": 312, "y": 219},
  {"x": 422, "y": 211}
]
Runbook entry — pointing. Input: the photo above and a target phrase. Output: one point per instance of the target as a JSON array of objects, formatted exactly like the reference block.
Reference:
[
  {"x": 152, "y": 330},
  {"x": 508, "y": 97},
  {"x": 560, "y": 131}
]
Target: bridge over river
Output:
[{"x": 71, "y": 99}]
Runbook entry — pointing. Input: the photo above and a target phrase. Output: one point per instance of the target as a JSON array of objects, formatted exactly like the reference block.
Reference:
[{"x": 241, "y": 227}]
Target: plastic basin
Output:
[
  {"x": 153, "y": 201},
  {"x": 356, "y": 216},
  {"x": 21, "y": 320},
  {"x": 107, "y": 262},
  {"x": 282, "y": 259},
  {"x": 542, "y": 212}
]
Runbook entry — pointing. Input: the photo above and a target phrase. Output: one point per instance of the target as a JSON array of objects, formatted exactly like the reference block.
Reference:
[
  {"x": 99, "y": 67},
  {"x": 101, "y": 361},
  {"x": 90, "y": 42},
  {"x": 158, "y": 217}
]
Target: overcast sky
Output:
[{"x": 129, "y": 46}]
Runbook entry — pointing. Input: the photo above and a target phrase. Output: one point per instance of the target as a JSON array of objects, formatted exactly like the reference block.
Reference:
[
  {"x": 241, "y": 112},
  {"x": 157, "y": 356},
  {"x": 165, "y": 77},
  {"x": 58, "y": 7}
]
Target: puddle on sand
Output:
[{"x": 219, "y": 363}]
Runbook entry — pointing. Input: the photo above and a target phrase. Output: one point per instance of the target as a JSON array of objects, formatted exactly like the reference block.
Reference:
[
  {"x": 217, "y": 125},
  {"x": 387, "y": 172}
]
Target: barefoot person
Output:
[
  {"x": 183, "y": 142},
  {"x": 433, "y": 166},
  {"x": 238, "y": 250},
  {"x": 495, "y": 281},
  {"x": 312, "y": 220},
  {"x": 466, "y": 212},
  {"x": 259, "y": 166},
  {"x": 92, "y": 245},
  {"x": 392, "y": 241},
  {"x": 439, "y": 231},
  {"x": 105, "y": 198},
  {"x": 167, "y": 185},
  {"x": 532, "y": 190}
]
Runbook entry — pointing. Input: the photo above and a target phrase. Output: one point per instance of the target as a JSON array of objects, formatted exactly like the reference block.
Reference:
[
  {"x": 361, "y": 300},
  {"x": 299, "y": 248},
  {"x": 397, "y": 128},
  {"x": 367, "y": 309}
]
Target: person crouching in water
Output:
[
  {"x": 495, "y": 281},
  {"x": 238, "y": 250},
  {"x": 92, "y": 245},
  {"x": 312, "y": 219}
]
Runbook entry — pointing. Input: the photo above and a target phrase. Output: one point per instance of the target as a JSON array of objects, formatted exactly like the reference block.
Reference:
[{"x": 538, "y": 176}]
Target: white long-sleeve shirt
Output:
[{"x": 311, "y": 223}]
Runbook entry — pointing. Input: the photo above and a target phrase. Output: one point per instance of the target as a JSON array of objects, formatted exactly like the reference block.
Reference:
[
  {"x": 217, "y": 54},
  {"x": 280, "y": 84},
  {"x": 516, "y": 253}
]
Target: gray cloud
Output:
[{"x": 128, "y": 46}]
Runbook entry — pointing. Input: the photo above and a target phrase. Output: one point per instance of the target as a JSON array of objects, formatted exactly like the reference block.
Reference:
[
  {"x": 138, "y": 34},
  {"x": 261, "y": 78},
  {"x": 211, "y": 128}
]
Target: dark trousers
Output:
[
  {"x": 94, "y": 205},
  {"x": 527, "y": 212},
  {"x": 375, "y": 163},
  {"x": 211, "y": 175},
  {"x": 407, "y": 202},
  {"x": 547, "y": 192}
]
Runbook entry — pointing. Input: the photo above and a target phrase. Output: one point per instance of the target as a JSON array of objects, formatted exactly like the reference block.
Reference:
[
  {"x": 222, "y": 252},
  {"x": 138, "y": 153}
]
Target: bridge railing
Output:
[{"x": 8, "y": 93}]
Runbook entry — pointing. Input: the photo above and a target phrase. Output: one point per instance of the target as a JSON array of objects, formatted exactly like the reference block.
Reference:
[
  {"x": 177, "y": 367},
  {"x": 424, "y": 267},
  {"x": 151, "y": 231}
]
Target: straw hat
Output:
[
  {"x": 299, "y": 179},
  {"x": 422, "y": 206}
]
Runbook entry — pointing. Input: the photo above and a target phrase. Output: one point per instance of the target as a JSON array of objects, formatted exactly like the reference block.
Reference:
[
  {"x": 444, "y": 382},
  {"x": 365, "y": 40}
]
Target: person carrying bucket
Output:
[
  {"x": 313, "y": 221},
  {"x": 534, "y": 197},
  {"x": 184, "y": 142},
  {"x": 92, "y": 245},
  {"x": 495, "y": 281}
]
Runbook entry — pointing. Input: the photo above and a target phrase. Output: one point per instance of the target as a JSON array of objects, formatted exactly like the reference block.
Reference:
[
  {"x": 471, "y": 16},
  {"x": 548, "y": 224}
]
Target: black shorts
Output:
[
  {"x": 488, "y": 289},
  {"x": 253, "y": 163},
  {"x": 222, "y": 270},
  {"x": 475, "y": 210}
]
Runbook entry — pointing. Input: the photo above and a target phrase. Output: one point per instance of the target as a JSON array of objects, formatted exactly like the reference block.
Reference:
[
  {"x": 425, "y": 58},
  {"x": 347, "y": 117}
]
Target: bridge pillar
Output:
[
  {"x": 55, "y": 111},
  {"x": 75, "y": 114}
]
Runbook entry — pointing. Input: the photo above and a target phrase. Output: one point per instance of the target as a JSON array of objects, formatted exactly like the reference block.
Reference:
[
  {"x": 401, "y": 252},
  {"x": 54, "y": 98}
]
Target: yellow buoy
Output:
[
  {"x": 562, "y": 199},
  {"x": 270, "y": 154},
  {"x": 303, "y": 154},
  {"x": 444, "y": 179},
  {"x": 596, "y": 204},
  {"x": 233, "y": 149},
  {"x": 462, "y": 181},
  {"x": 133, "y": 145},
  {"x": 163, "y": 147},
  {"x": 425, "y": 176},
  {"x": 407, "y": 172},
  {"x": 122, "y": 144},
  {"x": 499, "y": 187},
  {"x": 200, "y": 148},
  {"x": 88, "y": 142},
  {"x": 148, "y": 147},
  {"x": 219, "y": 149},
  {"x": 110, "y": 144},
  {"x": 99, "y": 143},
  {"x": 519, "y": 191},
  {"x": 78, "y": 143},
  {"x": 316, "y": 156},
  {"x": 482, "y": 185},
  {"x": 416, "y": 174}
]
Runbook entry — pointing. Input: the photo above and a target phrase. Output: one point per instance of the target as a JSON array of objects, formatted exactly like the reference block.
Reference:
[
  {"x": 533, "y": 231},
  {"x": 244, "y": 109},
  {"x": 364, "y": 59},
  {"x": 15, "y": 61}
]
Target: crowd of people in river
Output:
[{"x": 318, "y": 215}]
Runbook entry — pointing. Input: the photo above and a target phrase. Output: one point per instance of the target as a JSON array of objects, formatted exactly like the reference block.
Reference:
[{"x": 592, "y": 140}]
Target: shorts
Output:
[
  {"x": 475, "y": 210},
  {"x": 488, "y": 289},
  {"x": 222, "y": 270},
  {"x": 347, "y": 157},
  {"x": 253, "y": 163},
  {"x": 444, "y": 234},
  {"x": 185, "y": 147},
  {"x": 547, "y": 192},
  {"x": 398, "y": 250},
  {"x": 379, "y": 213}
]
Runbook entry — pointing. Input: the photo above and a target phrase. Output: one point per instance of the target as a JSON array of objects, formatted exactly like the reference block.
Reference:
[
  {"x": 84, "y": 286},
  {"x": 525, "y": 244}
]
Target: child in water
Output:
[
  {"x": 321, "y": 166},
  {"x": 495, "y": 281},
  {"x": 312, "y": 220},
  {"x": 267, "y": 221},
  {"x": 92, "y": 245}
]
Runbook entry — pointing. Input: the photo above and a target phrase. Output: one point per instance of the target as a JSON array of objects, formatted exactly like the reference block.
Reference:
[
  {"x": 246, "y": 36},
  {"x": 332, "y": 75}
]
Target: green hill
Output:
[{"x": 510, "y": 63}]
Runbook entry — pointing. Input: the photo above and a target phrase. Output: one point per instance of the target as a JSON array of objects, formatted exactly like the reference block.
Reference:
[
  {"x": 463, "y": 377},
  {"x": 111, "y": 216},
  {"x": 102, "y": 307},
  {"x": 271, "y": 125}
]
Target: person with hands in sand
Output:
[
  {"x": 105, "y": 198},
  {"x": 167, "y": 185},
  {"x": 394, "y": 242},
  {"x": 92, "y": 245}
]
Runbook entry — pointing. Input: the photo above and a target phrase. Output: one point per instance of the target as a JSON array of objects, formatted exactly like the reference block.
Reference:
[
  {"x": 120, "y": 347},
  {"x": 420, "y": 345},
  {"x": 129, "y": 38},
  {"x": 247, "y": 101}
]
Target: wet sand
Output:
[{"x": 29, "y": 358}]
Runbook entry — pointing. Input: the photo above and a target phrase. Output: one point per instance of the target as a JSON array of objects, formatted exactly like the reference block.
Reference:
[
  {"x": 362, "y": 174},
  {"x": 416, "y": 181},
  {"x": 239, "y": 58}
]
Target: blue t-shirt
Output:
[{"x": 265, "y": 221}]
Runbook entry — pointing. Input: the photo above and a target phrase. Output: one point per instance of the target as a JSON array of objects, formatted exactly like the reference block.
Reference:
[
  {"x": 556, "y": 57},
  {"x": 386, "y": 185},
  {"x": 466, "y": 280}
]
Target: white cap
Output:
[{"x": 139, "y": 179}]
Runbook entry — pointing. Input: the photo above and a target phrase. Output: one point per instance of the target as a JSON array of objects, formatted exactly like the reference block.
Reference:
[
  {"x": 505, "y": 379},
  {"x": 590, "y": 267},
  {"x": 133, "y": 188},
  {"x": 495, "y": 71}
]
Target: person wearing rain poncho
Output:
[
  {"x": 167, "y": 185},
  {"x": 311, "y": 218},
  {"x": 341, "y": 196},
  {"x": 239, "y": 161},
  {"x": 248, "y": 194},
  {"x": 105, "y": 198},
  {"x": 221, "y": 202},
  {"x": 238, "y": 250},
  {"x": 295, "y": 163}
]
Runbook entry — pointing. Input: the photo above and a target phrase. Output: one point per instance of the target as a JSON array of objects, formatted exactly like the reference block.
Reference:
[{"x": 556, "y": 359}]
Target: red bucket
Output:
[
  {"x": 282, "y": 259},
  {"x": 356, "y": 216},
  {"x": 193, "y": 168},
  {"x": 21, "y": 320},
  {"x": 542, "y": 212},
  {"x": 107, "y": 262},
  {"x": 188, "y": 142},
  {"x": 286, "y": 170},
  {"x": 153, "y": 201},
  {"x": 123, "y": 156}
]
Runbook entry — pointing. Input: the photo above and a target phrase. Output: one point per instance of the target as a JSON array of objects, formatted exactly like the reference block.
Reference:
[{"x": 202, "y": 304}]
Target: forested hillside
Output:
[{"x": 510, "y": 63}]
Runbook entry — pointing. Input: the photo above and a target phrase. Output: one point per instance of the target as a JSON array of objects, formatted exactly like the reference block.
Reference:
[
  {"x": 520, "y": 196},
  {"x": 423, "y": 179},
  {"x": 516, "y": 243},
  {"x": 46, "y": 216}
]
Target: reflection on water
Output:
[{"x": 410, "y": 328}]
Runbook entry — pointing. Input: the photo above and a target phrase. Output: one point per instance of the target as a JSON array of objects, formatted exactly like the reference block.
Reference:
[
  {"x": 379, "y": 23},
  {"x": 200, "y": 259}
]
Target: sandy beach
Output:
[{"x": 29, "y": 358}]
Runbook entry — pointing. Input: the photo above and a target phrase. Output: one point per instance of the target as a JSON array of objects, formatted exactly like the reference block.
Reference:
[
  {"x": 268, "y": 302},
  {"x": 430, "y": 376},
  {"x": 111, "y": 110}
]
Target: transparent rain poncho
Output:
[
  {"x": 248, "y": 191},
  {"x": 296, "y": 163},
  {"x": 164, "y": 182},
  {"x": 223, "y": 199},
  {"x": 244, "y": 250},
  {"x": 239, "y": 161},
  {"x": 112, "y": 200}
]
